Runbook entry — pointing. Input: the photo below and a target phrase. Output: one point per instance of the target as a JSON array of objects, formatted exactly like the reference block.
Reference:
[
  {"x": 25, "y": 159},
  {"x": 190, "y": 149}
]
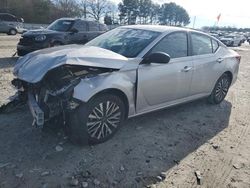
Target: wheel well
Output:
[
  {"x": 12, "y": 29},
  {"x": 115, "y": 92},
  {"x": 230, "y": 75}
]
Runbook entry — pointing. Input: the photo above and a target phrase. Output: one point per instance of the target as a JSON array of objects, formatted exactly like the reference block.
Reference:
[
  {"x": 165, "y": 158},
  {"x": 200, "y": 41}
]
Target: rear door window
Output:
[
  {"x": 174, "y": 44},
  {"x": 201, "y": 44}
]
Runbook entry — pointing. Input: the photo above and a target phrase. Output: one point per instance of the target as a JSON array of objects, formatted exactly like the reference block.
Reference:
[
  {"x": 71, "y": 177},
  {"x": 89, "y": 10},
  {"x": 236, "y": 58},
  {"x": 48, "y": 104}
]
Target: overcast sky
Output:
[{"x": 233, "y": 12}]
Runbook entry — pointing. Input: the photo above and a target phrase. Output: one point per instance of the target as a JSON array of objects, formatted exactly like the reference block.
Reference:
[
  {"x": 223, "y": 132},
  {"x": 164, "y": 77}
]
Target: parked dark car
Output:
[
  {"x": 10, "y": 24},
  {"x": 61, "y": 32}
]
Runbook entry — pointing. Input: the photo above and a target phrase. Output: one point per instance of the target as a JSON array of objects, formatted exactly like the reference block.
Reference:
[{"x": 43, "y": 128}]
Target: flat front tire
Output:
[
  {"x": 220, "y": 89},
  {"x": 98, "y": 120}
]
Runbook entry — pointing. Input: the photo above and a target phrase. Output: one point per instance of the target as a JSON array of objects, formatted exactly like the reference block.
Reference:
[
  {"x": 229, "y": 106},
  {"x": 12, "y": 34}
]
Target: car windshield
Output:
[
  {"x": 61, "y": 25},
  {"x": 125, "y": 41}
]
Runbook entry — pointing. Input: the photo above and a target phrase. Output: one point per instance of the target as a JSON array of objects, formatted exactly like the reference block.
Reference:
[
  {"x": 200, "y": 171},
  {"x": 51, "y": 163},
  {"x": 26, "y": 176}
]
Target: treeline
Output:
[
  {"x": 227, "y": 29},
  {"x": 126, "y": 12},
  {"x": 40, "y": 11},
  {"x": 145, "y": 11}
]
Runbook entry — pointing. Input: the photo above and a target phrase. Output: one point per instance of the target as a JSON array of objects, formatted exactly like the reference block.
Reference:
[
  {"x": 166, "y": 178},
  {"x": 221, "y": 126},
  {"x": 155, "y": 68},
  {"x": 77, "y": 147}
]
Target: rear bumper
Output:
[{"x": 36, "y": 111}]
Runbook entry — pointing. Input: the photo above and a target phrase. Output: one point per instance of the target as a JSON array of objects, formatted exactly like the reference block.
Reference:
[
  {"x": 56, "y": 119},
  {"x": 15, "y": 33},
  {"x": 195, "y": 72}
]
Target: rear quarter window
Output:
[
  {"x": 103, "y": 27},
  {"x": 215, "y": 45},
  {"x": 93, "y": 26}
]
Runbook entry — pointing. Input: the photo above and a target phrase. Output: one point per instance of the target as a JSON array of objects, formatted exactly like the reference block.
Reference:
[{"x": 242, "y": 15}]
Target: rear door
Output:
[
  {"x": 208, "y": 63},
  {"x": 160, "y": 84}
]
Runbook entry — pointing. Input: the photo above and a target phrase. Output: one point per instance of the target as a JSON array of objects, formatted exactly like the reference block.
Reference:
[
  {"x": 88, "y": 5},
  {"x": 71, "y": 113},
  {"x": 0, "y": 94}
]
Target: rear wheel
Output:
[
  {"x": 12, "y": 32},
  {"x": 98, "y": 120},
  {"x": 220, "y": 89}
]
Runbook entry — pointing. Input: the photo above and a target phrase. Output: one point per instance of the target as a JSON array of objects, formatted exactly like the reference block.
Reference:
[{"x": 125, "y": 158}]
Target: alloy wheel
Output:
[
  {"x": 103, "y": 120},
  {"x": 222, "y": 89}
]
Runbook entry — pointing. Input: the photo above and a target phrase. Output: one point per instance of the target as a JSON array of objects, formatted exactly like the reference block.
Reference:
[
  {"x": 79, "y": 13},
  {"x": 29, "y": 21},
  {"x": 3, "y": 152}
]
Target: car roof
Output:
[
  {"x": 75, "y": 19},
  {"x": 157, "y": 28},
  {"x": 7, "y": 14},
  {"x": 168, "y": 29},
  {"x": 68, "y": 19}
]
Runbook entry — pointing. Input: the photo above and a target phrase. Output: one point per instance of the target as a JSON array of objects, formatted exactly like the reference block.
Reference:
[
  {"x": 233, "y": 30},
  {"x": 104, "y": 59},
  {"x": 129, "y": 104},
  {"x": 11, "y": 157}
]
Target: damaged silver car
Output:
[{"x": 128, "y": 71}]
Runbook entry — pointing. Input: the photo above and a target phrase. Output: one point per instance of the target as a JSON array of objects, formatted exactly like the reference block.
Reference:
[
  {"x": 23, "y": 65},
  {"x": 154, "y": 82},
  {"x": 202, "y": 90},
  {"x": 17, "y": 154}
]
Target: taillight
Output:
[{"x": 238, "y": 58}]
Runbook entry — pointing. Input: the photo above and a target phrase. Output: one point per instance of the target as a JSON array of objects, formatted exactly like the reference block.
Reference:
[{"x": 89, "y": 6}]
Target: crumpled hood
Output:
[{"x": 33, "y": 67}]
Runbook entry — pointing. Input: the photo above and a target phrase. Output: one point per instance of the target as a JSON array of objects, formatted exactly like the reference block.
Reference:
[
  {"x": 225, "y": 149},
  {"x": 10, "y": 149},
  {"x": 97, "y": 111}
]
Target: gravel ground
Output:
[{"x": 161, "y": 149}]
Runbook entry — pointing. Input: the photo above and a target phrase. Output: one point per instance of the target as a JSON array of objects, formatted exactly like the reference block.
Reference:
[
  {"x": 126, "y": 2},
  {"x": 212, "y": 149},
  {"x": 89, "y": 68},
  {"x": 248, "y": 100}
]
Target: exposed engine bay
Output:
[{"x": 52, "y": 96}]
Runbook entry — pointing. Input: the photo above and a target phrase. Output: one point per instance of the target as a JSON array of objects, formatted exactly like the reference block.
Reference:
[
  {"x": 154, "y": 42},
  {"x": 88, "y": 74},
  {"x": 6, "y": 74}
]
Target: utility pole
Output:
[
  {"x": 194, "y": 21},
  {"x": 84, "y": 9}
]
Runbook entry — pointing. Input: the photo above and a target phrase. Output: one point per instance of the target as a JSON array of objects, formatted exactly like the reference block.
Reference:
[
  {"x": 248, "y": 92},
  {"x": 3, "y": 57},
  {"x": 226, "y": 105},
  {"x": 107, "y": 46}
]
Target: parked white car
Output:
[{"x": 10, "y": 24}]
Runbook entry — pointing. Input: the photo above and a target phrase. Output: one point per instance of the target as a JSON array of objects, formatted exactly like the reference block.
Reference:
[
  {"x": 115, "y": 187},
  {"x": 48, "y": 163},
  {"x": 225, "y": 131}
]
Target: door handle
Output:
[
  {"x": 219, "y": 60},
  {"x": 186, "y": 69}
]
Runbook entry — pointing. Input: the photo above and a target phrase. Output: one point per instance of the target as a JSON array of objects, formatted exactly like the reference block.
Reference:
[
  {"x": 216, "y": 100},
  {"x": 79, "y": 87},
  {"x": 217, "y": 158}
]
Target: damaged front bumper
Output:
[
  {"x": 36, "y": 111},
  {"x": 46, "y": 104}
]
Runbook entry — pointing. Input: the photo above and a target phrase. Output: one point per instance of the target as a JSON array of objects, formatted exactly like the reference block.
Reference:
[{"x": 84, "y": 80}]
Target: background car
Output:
[
  {"x": 10, "y": 24},
  {"x": 61, "y": 32},
  {"x": 231, "y": 40},
  {"x": 123, "y": 73}
]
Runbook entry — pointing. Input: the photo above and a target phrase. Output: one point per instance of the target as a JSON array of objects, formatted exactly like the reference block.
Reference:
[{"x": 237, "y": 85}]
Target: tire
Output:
[
  {"x": 12, "y": 32},
  {"x": 220, "y": 89},
  {"x": 96, "y": 121}
]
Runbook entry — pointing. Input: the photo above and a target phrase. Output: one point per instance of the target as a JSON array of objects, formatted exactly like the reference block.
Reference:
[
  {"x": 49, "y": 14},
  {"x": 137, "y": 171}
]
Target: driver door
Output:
[
  {"x": 81, "y": 36},
  {"x": 160, "y": 85}
]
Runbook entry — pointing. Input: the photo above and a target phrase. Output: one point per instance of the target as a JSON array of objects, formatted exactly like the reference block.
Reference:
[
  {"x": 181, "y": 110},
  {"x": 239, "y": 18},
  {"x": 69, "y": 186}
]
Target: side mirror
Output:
[
  {"x": 157, "y": 57},
  {"x": 73, "y": 30}
]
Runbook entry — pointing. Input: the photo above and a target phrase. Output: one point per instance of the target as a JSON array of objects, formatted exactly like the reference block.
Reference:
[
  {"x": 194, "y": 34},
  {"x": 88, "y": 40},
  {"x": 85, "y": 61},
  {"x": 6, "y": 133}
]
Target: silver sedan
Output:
[{"x": 126, "y": 72}]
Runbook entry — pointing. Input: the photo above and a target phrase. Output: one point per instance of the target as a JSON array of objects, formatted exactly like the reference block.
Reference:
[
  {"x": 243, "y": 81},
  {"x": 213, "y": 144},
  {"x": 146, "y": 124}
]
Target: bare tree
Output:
[
  {"x": 97, "y": 9},
  {"x": 68, "y": 8}
]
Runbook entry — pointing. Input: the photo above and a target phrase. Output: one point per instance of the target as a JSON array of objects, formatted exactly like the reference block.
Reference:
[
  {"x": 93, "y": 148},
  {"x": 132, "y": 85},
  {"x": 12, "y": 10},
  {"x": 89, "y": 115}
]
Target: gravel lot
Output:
[{"x": 161, "y": 149}]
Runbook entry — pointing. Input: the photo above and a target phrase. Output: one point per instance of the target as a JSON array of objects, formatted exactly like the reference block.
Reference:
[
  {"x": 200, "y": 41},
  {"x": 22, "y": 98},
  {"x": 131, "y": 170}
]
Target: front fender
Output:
[{"x": 123, "y": 81}]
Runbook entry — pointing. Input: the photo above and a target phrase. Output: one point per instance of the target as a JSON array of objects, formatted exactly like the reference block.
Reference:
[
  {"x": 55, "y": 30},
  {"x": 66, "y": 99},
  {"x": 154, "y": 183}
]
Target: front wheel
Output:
[
  {"x": 98, "y": 120},
  {"x": 220, "y": 89}
]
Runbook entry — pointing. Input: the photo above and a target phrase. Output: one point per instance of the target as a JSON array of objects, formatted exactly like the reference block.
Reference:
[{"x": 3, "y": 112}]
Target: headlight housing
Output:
[{"x": 40, "y": 38}]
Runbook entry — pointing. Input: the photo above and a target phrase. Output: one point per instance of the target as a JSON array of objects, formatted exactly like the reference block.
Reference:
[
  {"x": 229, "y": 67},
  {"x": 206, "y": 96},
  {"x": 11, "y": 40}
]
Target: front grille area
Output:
[{"x": 26, "y": 41}]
